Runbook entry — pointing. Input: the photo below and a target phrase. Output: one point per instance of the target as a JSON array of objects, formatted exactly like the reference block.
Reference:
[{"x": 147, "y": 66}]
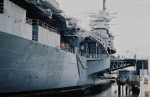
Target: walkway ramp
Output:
[{"x": 140, "y": 62}]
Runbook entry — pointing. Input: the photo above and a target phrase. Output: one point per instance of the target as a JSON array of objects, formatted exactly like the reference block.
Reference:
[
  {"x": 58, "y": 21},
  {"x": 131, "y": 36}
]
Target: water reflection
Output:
[{"x": 115, "y": 90}]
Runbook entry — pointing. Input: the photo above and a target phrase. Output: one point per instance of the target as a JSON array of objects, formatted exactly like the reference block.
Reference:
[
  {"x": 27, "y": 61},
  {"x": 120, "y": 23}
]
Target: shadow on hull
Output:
[{"x": 86, "y": 90}]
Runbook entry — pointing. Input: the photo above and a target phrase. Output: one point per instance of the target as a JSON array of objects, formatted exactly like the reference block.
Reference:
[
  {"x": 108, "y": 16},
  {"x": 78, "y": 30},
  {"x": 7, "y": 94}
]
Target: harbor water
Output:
[{"x": 114, "y": 90}]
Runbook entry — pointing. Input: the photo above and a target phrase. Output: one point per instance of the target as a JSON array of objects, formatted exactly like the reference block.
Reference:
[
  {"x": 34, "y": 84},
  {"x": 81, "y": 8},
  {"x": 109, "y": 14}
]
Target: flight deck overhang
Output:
[
  {"x": 43, "y": 11},
  {"x": 47, "y": 4}
]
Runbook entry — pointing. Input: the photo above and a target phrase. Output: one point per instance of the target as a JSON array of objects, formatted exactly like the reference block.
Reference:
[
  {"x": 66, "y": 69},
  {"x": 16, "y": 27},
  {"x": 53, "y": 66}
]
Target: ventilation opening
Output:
[
  {"x": 1, "y": 6},
  {"x": 35, "y": 33}
]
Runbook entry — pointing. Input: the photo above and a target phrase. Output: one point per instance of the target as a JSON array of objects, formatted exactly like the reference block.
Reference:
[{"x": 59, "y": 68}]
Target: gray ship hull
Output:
[{"x": 27, "y": 65}]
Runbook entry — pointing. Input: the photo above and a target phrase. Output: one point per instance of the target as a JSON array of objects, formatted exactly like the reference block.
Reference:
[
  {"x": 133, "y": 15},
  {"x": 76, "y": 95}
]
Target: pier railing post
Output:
[
  {"x": 126, "y": 90},
  {"x": 122, "y": 89},
  {"x": 118, "y": 89}
]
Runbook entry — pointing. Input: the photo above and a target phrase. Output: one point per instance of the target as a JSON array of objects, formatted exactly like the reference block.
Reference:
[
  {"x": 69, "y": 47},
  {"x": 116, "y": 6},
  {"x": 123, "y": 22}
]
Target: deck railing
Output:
[
  {"x": 67, "y": 47},
  {"x": 18, "y": 18},
  {"x": 140, "y": 57},
  {"x": 28, "y": 20},
  {"x": 45, "y": 25},
  {"x": 96, "y": 55}
]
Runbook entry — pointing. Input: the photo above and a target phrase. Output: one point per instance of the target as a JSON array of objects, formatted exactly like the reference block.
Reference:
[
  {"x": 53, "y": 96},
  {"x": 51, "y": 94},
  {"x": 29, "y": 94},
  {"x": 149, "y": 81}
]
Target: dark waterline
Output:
[{"x": 110, "y": 90}]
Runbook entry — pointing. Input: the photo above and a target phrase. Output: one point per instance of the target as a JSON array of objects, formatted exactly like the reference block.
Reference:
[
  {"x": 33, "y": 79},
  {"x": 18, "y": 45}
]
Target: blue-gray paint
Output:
[
  {"x": 35, "y": 32},
  {"x": 27, "y": 65}
]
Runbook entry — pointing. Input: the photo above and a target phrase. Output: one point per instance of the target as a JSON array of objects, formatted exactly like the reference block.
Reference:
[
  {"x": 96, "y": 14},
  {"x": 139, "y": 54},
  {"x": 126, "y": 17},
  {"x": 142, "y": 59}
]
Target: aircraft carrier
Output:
[{"x": 41, "y": 49}]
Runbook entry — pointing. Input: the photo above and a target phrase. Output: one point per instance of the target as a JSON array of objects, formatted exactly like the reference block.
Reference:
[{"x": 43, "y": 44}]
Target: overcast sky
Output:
[{"x": 132, "y": 25}]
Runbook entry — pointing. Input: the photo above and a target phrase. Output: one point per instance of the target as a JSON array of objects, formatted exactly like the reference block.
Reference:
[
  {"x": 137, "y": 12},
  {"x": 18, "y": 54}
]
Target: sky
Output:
[{"x": 131, "y": 27}]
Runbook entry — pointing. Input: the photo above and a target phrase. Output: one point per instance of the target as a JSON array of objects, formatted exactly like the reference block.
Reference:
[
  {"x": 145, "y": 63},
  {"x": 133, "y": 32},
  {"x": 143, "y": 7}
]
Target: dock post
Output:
[
  {"x": 122, "y": 89},
  {"x": 119, "y": 90},
  {"x": 129, "y": 90},
  {"x": 142, "y": 65},
  {"x": 126, "y": 90},
  {"x": 133, "y": 89}
]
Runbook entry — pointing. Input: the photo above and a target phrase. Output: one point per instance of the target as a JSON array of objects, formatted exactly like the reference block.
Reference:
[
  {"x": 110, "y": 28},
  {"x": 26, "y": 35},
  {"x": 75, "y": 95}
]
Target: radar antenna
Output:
[{"x": 104, "y": 5}]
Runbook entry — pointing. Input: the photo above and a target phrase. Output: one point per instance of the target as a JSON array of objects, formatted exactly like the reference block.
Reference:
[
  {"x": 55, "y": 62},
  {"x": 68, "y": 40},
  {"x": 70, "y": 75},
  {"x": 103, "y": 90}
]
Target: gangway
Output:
[{"x": 140, "y": 62}]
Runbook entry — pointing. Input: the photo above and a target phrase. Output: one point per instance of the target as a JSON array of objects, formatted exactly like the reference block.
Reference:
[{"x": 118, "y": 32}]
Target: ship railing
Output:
[
  {"x": 68, "y": 48},
  {"x": 18, "y": 18},
  {"x": 139, "y": 57},
  {"x": 99, "y": 35},
  {"x": 75, "y": 33},
  {"x": 102, "y": 56},
  {"x": 45, "y": 25},
  {"x": 28, "y": 20}
]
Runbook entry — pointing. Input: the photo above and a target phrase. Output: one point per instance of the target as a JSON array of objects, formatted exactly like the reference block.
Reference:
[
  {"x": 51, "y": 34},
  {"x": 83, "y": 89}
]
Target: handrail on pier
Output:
[{"x": 139, "y": 57}]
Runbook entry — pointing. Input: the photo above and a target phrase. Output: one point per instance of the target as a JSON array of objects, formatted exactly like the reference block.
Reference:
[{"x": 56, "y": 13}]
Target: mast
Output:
[{"x": 104, "y": 5}]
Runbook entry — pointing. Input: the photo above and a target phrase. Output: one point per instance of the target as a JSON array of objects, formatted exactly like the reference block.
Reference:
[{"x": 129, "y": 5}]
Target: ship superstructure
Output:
[
  {"x": 100, "y": 26},
  {"x": 40, "y": 49},
  {"x": 97, "y": 44}
]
